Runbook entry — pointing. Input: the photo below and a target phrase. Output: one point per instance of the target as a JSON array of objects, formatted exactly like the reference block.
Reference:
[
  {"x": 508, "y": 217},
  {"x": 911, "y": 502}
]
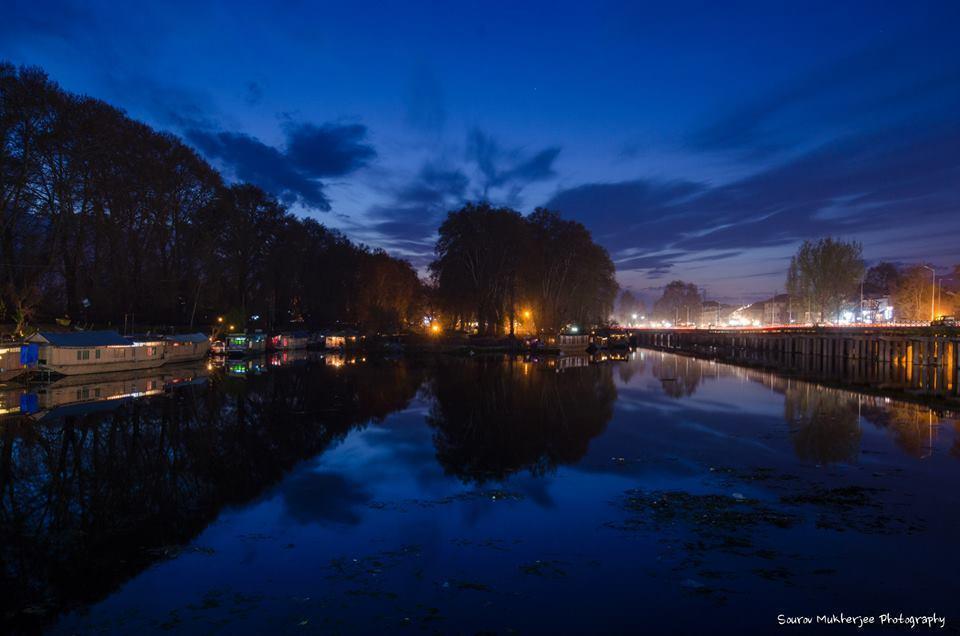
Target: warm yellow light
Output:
[
  {"x": 526, "y": 314},
  {"x": 219, "y": 318},
  {"x": 435, "y": 328},
  {"x": 231, "y": 327}
]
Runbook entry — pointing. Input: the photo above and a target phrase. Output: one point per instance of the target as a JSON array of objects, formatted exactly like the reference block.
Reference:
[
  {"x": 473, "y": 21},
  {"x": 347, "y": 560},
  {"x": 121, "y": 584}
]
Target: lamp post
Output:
[{"x": 933, "y": 291}]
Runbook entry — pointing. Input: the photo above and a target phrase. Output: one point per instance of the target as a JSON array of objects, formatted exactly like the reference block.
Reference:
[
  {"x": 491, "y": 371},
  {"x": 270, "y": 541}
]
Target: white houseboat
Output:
[
  {"x": 82, "y": 352},
  {"x": 242, "y": 344},
  {"x": 186, "y": 347}
]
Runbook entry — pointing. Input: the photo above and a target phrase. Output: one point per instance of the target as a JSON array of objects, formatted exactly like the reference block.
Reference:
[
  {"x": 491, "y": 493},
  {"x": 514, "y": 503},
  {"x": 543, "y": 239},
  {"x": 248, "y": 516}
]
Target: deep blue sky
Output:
[{"x": 695, "y": 140}]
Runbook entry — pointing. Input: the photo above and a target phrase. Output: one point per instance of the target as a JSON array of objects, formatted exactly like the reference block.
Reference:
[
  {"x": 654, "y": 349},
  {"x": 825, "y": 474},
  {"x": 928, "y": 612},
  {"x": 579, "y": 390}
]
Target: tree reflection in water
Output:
[
  {"x": 88, "y": 500},
  {"x": 496, "y": 416},
  {"x": 90, "y": 497},
  {"x": 824, "y": 423},
  {"x": 680, "y": 376},
  {"x": 911, "y": 425}
]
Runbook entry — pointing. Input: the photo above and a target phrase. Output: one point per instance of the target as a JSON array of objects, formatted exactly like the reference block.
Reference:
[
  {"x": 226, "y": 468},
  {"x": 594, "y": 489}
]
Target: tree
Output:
[
  {"x": 680, "y": 303},
  {"x": 102, "y": 217},
  {"x": 825, "y": 274},
  {"x": 493, "y": 263},
  {"x": 912, "y": 295},
  {"x": 882, "y": 279},
  {"x": 629, "y": 306}
]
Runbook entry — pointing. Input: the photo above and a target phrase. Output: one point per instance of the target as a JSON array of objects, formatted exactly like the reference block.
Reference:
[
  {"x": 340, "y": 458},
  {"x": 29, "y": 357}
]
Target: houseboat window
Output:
[
  {"x": 79, "y": 355},
  {"x": 83, "y": 354},
  {"x": 98, "y": 354}
]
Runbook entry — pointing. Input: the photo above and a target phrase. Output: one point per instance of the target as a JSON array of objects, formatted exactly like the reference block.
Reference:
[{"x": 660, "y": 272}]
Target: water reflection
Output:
[
  {"x": 107, "y": 475},
  {"x": 92, "y": 496},
  {"x": 824, "y": 423},
  {"x": 497, "y": 416}
]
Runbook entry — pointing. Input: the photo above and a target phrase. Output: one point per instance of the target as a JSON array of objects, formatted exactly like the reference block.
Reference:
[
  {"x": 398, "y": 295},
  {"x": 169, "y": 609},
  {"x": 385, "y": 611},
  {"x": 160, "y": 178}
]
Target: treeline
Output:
[
  {"x": 496, "y": 268},
  {"x": 102, "y": 216}
]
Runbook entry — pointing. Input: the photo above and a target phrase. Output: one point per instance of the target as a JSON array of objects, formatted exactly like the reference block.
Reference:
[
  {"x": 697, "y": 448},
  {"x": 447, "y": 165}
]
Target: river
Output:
[{"x": 327, "y": 494}]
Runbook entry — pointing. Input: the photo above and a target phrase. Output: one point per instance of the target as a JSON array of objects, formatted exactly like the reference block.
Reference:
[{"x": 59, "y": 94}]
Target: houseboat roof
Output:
[
  {"x": 79, "y": 338},
  {"x": 187, "y": 337}
]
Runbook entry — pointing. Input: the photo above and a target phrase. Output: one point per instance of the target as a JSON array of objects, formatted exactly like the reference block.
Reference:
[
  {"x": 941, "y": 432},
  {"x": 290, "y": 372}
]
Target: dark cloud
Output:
[
  {"x": 410, "y": 220},
  {"x": 860, "y": 183},
  {"x": 508, "y": 168},
  {"x": 294, "y": 176},
  {"x": 254, "y": 161},
  {"x": 330, "y": 150}
]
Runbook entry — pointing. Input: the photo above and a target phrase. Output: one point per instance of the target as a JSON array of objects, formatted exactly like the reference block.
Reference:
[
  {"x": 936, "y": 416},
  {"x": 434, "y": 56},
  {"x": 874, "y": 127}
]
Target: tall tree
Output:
[
  {"x": 679, "y": 303},
  {"x": 825, "y": 274}
]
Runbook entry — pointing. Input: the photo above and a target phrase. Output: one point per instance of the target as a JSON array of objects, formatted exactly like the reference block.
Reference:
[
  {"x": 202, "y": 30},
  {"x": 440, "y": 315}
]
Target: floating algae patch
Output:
[
  {"x": 704, "y": 513},
  {"x": 855, "y": 508},
  {"x": 549, "y": 569},
  {"x": 701, "y": 532}
]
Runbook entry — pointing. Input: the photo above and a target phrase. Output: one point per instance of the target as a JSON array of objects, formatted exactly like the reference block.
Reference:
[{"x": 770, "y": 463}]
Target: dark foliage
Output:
[{"x": 102, "y": 217}]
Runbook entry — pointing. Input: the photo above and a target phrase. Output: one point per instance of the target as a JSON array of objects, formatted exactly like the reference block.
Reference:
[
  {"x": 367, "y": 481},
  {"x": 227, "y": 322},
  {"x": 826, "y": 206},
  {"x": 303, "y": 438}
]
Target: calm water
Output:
[{"x": 441, "y": 494}]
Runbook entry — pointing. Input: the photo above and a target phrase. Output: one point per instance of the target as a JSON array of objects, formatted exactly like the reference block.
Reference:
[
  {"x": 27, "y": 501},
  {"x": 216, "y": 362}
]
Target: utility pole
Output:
[{"x": 933, "y": 292}]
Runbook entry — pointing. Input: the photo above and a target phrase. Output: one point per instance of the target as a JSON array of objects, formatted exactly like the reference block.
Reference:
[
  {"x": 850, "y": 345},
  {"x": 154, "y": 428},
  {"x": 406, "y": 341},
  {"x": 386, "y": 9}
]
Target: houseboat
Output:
[
  {"x": 83, "y": 352},
  {"x": 340, "y": 340},
  {"x": 290, "y": 340},
  {"x": 242, "y": 344},
  {"x": 565, "y": 343},
  {"x": 186, "y": 347},
  {"x": 16, "y": 359}
]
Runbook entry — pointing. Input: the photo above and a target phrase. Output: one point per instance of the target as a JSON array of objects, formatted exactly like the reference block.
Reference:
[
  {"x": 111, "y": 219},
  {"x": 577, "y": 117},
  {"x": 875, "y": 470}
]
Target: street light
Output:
[{"x": 933, "y": 292}]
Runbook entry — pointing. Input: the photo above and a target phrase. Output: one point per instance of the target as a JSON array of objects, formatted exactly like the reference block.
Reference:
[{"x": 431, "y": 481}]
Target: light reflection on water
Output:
[{"x": 308, "y": 492}]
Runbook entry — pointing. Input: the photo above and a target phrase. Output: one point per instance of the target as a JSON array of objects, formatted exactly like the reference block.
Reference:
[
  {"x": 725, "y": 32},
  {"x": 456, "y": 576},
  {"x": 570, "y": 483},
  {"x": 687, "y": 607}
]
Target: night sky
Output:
[{"x": 696, "y": 141}]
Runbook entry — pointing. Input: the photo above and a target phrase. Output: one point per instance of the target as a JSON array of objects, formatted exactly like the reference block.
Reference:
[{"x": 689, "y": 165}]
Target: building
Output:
[
  {"x": 710, "y": 313},
  {"x": 779, "y": 310},
  {"x": 82, "y": 352}
]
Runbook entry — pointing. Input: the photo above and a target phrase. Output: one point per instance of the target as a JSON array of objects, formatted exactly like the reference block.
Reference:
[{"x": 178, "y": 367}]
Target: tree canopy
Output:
[
  {"x": 102, "y": 217},
  {"x": 824, "y": 274},
  {"x": 679, "y": 303},
  {"x": 493, "y": 265}
]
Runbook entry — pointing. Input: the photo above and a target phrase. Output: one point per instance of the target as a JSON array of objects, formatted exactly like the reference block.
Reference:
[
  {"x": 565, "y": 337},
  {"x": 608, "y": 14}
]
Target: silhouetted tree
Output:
[
  {"x": 825, "y": 274},
  {"x": 679, "y": 303}
]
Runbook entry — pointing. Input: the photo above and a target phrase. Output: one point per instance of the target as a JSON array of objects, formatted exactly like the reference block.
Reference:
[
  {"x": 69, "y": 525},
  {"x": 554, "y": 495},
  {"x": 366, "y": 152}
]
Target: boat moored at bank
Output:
[
  {"x": 81, "y": 352},
  {"x": 244, "y": 344},
  {"x": 290, "y": 340},
  {"x": 186, "y": 347}
]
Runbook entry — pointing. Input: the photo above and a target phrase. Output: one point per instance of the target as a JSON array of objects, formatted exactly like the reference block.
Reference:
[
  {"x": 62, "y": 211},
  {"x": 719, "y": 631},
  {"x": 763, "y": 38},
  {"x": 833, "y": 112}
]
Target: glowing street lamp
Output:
[
  {"x": 435, "y": 328},
  {"x": 526, "y": 314}
]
